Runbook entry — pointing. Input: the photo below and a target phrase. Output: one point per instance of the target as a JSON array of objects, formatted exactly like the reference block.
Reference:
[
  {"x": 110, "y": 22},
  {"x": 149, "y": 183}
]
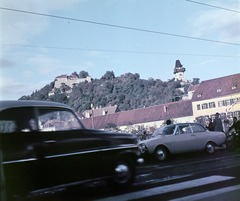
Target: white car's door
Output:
[
  {"x": 201, "y": 134},
  {"x": 184, "y": 139}
]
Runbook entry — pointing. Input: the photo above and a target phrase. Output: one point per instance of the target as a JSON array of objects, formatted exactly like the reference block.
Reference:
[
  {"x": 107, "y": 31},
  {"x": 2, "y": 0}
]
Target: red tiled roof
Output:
[
  {"x": 80, "y": 115},
  {"x": 72, "y": 76},
  {"x": 217, "y": 87},
  {"x": 62, "y": 76},
  {"x": 193, "y": 87},
  {"x": 143, "y": 115},
  {"x": 99, "y": 111}
]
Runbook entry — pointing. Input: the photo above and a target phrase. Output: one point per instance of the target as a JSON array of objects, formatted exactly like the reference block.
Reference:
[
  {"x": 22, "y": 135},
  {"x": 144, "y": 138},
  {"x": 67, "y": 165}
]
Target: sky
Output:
[{"x": 137, "y": 36}]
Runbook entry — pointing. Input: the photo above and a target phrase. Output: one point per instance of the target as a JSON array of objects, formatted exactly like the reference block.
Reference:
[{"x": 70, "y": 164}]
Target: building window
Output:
[
  {"x": 204, "y": 106},
  {"x": 206, "y": 117},
  {"x": 212, "y": 105},
  {"x": 234, "y": 100},
  {"x": 236, "y": 114},
  {"x": 230, "y": 115},
  {"x": 221, "y": 103},
  {"x": 212, "y": 116},
  {"x": 234, "y": 87},
  {"x": 199, "y": 94},
  {"x": 198, "y": 107},
  {"x": 227, "y": 102}
]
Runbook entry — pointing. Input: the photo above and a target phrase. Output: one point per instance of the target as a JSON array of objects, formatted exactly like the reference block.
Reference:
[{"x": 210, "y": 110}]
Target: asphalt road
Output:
[{"x": 194, "y": 176}]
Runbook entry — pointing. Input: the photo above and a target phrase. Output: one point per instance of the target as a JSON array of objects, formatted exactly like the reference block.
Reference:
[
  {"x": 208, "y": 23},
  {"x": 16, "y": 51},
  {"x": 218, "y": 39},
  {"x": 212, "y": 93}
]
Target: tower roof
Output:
[
  {"x": 178, "y": 67},
  {"x": 178, "y": 64}
]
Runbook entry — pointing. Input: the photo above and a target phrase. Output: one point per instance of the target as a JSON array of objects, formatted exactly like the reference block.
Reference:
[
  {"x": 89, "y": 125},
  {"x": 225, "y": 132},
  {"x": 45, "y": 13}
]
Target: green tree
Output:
[
  {"x": 109, "y": 75},
  {"x": 195, "y": 81},
  {"x": 74, "y": 73},
  {"x": 83, "y": 74}
]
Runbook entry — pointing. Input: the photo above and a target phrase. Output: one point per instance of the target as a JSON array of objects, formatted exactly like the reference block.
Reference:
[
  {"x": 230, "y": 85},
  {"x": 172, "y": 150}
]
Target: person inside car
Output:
[{"x": 33, "y": 125}]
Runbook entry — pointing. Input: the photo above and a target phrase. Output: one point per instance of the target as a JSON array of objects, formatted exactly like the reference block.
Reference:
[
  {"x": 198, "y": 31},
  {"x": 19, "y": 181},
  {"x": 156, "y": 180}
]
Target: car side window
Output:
[
  {"x": 197, "y": 128},
  {"x": 57, "y": 120},
  {"x": 184, "y": 129},
  {"x": 17, "y": 120}
]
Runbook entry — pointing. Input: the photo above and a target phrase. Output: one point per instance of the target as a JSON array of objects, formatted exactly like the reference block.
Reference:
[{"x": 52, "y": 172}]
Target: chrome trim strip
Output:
[
  {"x": 92, "y": 151},
  {"x": 75, "y": 153},
  {"x": 20, "y": 161}
]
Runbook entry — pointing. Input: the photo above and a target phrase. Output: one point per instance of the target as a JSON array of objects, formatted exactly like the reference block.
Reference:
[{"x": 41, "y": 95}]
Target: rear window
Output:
[
  {"x": 16, "y": 120},
  {"x": 198, "y": 128},
  {"x": 165, "y": 130}
]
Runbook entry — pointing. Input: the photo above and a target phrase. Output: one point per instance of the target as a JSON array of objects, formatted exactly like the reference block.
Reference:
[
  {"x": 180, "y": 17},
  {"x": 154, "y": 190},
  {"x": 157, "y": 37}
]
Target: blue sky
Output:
[{"x": 29, "y": 61}]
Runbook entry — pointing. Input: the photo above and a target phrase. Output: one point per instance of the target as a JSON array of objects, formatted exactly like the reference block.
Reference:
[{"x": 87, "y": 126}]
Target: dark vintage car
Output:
[{"x": 44, "y": 146}]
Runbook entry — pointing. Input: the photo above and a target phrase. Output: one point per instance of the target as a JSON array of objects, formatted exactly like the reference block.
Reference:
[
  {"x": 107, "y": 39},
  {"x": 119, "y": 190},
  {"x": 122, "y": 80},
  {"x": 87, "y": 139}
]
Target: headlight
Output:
[{"x": 142, "y": 147}]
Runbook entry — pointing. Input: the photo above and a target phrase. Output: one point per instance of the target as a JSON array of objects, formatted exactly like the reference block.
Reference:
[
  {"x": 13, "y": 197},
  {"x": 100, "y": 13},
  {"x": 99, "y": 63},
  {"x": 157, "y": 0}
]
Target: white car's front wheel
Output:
[{"x": 161, "y": 153}]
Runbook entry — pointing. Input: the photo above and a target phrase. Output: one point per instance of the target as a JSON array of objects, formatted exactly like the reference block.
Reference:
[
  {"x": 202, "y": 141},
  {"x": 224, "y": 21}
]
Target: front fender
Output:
[
  {"x": 168, "y": 145},
  {"x": 131, "y": 153}
]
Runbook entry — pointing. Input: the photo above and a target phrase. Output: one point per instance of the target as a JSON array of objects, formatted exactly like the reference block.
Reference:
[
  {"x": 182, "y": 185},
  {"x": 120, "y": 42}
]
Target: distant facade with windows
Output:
[
  {"x": 69, "y": 81},
  {"x": 220, "y": 95}
]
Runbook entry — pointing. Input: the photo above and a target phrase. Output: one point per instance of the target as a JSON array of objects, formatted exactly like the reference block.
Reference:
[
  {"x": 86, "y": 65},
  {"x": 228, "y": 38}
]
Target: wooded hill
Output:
[{"x": 127, "y": 91}]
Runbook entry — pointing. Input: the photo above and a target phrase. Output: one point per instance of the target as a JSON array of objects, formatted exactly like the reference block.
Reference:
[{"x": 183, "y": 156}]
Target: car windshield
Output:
[{"x": 165, "y": 130}]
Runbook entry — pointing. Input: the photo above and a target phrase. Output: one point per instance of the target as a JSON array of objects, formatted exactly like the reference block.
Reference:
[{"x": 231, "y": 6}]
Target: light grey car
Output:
[{"x": 180, "y": 138}]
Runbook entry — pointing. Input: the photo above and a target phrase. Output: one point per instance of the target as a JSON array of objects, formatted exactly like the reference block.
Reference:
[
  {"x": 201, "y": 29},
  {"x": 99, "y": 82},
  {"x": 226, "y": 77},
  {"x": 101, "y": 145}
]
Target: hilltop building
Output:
[{"x": 69, "y": 81}]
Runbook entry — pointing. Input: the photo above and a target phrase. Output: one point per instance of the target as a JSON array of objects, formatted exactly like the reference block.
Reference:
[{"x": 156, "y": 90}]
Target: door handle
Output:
[{"x": 49, "y": 142}]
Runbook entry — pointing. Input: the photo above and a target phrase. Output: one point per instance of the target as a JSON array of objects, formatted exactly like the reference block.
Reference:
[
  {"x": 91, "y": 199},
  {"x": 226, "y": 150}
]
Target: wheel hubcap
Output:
[
  {"x": 210, "y": 148},
  {"x": 160, "y": 154},
  {"x": 122, "y": 173}
]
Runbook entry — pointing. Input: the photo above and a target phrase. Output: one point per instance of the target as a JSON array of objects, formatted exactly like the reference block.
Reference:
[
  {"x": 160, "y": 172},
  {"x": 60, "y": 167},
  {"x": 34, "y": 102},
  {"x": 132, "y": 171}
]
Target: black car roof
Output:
[{"x": 7, "y": 104}]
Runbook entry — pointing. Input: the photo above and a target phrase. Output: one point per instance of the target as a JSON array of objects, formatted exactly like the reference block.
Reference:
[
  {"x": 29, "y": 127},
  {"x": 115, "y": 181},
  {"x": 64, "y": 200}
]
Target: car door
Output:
[
  {"x": 201, "y": 134},
  {"x": 184, "y": 139},
  {"x": 70, "y": 152},
  {"x": 20, "y": 162}
]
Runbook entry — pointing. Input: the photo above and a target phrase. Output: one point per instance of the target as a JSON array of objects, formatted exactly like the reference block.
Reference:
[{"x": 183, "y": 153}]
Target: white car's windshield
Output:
[{"x": 165, "y": 130}]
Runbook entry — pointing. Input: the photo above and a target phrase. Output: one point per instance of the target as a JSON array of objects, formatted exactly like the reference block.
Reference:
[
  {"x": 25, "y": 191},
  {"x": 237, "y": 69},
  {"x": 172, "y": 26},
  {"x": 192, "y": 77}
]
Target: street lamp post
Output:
[{"x": 92, "y": 116}]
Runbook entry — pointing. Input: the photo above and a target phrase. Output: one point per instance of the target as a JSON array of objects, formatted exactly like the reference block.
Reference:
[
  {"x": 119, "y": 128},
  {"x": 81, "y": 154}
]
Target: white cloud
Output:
[
  {"x": 45, "y": 65},
  {"x": 19, "y": 28},
  {"x": 206, "y": 62},
  {"x": 218, "y": 24},
  {"x": 10, "y": 89}
]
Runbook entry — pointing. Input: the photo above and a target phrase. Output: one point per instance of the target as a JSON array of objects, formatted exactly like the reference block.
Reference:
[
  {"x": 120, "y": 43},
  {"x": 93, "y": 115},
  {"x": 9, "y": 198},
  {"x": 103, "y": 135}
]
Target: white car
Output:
[{"x": 180, "y": 138}]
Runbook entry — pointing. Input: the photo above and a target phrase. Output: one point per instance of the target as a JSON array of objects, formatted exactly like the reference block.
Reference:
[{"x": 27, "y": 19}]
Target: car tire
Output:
[
  {"x": 230, "y": 145},
  {"x": 210, "y": 147},
  {"x": 124, "y": 174},
  {"x": 161, "y": 153}
]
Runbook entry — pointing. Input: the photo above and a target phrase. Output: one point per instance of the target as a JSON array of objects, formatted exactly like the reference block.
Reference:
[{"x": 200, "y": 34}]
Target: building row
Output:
[{"x": 220, "y": 95}]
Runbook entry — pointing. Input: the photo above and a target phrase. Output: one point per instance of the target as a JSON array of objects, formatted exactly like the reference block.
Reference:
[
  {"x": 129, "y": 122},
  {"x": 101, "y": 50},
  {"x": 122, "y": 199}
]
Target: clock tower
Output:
[{"x": 179, "y": 71}]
